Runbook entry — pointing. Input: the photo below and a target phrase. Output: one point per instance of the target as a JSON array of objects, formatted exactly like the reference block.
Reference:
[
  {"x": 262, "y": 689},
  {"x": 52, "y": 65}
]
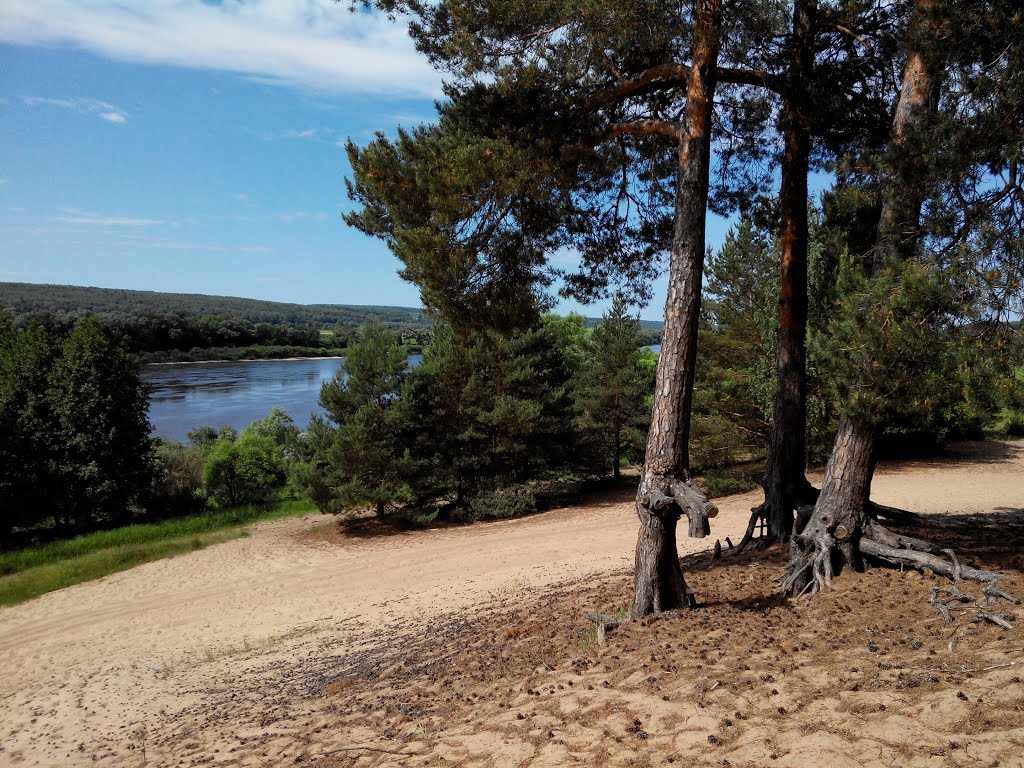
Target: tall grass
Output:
[{"x": 31, "y": 572}]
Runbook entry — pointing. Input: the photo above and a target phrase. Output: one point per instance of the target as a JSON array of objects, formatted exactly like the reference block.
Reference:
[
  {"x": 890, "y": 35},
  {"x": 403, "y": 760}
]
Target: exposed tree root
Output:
[
  {"x": 604, "y": 622},
  {"x": 923, "y": 561},
  {"x": 813, "y": 558},
  {"x": 893, "y": 515},
  {"x": 759, "y": 519},
  {"x": 810, "y": 568},
  {"x": 883, "y": 535}
]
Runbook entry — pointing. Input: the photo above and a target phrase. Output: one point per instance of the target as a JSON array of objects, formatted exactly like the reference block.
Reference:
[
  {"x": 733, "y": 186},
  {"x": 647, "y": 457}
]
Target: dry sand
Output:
[{"x": 297, "y": 645}]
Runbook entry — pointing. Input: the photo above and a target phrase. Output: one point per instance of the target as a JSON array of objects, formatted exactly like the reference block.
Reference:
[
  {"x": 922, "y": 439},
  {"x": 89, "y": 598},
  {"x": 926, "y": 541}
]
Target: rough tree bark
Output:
[
  {"x": 666, "y": 490},
  {"x": 829, "y": 541},
  {"x": 785, "y": 485},
  {"x": 839, "y": 531}
]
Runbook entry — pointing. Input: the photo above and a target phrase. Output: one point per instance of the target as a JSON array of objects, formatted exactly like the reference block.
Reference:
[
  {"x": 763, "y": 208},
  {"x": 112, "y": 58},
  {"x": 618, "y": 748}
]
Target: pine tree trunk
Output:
[
  {"x": 618, "y": 454},
  {"x": 828, "y": 543},
  {"x": 665, "y": 491},
  {"x": 785, "y": 484},
  {"x": 831, "y": 539}
]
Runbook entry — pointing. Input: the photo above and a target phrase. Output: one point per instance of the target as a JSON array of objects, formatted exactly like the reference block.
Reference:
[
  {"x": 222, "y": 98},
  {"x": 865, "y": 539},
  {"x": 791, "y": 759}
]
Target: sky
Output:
[{"x": 197, "y": 147}]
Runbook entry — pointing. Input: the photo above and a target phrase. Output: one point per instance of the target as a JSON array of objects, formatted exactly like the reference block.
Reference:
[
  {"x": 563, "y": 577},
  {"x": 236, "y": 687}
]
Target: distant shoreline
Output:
[{"x": 249, "y": 360}]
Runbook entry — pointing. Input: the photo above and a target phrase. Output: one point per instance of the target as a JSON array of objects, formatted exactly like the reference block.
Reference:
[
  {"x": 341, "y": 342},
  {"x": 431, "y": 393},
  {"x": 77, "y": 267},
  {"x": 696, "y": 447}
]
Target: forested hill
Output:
[
  {"x": 186, "y": 326},
  {"x": 23, "y": 300}
]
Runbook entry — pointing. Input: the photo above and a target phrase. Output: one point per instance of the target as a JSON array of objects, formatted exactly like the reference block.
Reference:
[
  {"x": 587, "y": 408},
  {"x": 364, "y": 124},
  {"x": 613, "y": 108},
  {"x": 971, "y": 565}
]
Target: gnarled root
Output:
[
  {"x": 814, "y": 555},
  {"x": 893, "y": 515},
  {"x": 798, "y": 497},
  {"x": 758, "y": 518},
  {"x": 810, "y": 568},
  {"x": 952, "y": 569},
  {"x": 760, "y": 515}
]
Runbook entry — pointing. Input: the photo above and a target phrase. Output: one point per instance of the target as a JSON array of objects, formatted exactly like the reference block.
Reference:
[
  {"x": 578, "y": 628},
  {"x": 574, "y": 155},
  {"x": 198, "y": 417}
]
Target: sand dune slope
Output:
[{"x": 223, "y": 656}]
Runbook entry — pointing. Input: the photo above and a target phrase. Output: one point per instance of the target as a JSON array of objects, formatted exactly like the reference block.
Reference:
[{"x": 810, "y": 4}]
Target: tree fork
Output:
[{"x": 658, "y": 578}]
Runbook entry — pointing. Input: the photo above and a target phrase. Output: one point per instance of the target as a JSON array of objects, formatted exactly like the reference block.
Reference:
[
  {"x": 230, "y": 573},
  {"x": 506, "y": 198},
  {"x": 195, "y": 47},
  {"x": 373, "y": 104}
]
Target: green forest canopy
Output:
[{"x": 21, "y": 299}]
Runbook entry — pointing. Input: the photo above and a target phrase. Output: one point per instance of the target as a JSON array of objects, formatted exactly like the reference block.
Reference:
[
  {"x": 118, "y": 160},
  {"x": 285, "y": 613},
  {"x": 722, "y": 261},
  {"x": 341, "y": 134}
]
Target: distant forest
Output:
[
  {"x": 187, "y": 326},
  {"x": 195, "y": 326}
]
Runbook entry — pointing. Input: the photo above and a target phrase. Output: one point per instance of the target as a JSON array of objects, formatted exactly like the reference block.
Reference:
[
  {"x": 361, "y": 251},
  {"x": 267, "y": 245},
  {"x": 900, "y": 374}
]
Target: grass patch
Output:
[{"x": 34, "y": 571}]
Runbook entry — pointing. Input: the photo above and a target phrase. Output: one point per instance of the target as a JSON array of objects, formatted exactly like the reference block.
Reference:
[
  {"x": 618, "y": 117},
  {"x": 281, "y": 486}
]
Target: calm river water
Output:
[{"x": 189, "y": 395}]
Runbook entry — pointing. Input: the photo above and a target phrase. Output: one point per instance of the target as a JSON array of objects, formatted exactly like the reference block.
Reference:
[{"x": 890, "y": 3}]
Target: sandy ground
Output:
[{"x": 241, "y": 654}]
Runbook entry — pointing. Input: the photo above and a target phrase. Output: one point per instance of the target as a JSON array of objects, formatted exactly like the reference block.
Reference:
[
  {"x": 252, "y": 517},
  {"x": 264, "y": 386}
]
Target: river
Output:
[{"x": 233, "y": 394}]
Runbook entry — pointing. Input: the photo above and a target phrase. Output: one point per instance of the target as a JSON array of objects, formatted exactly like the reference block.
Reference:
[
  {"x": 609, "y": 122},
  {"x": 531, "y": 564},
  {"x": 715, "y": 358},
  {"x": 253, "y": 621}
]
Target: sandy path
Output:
[{"x": 95, "y": 663}]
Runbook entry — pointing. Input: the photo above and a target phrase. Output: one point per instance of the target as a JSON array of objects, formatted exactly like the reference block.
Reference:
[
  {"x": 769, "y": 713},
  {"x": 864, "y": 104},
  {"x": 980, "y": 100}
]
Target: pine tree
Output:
[
  {"x": 611, "y": 398},
  {"x": 488, "y": 413},
  {"x": 365, "y": 461}
]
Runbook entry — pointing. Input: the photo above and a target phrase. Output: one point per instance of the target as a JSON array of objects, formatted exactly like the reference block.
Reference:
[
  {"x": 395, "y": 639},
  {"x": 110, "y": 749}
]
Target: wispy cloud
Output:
[
  {"x": 101, "y": 109},
  {"x": 320, "y": 135},
  {"x": 305, "y": 133},
  {"x": 290, "y": 217},
  {"x": 178, "y": 245},
  {"x": 88, "y": 218},
  {"x": 2, "y": 182},
  {"x": 309, "y": 43}
]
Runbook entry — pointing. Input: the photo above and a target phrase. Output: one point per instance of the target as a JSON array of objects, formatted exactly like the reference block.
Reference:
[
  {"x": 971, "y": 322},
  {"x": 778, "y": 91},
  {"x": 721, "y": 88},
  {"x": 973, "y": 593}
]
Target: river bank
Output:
[{"x": 251, "y": 360}]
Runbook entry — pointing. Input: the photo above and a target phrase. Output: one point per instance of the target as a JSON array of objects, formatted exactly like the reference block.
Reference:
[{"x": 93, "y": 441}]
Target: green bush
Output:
[
  {"x": 249, "y": 470},
  {"x": 1015, "y": 424},
  {"x": 508, "y": 501},
  {"x": 306, "y": 479},
  {"x": 178, "y": 480}
]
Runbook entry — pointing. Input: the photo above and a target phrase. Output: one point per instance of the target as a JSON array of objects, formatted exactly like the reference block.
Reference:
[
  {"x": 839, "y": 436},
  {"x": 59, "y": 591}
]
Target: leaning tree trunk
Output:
[
  {"x": 832, "y": 537},
  {"x": 666, "y": 491},
  {"x": 785, "y": 484}
]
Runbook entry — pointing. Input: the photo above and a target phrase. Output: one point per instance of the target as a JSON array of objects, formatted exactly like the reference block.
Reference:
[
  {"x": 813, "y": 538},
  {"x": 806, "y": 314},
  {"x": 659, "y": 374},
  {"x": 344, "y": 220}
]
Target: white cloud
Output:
[
  {"x": 320, "y": 135},
  {"x": 305, "y": 133},
  {"x": 309, "y": 43},
  {"x": 73, "y": 216},
  {"x": 290, "y": 217},
  {"x": 177, "y": 245},
  {"x": 101, "y": 109},
  {"x": 2, "y": 182}
]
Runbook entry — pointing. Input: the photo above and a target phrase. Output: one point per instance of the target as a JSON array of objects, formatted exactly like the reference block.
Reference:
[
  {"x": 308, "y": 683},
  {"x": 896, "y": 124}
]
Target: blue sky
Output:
[{"x": 193, "y": 146}]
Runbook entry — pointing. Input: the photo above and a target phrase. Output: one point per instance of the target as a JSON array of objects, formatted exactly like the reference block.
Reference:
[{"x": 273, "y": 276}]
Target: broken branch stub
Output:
[
  {"x": 681, "y": 497},
  {"x": 696, "y": 506}
]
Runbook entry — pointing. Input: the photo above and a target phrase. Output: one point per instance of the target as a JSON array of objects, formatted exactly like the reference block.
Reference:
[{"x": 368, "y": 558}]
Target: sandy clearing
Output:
[{"x": 91, "y": 663}]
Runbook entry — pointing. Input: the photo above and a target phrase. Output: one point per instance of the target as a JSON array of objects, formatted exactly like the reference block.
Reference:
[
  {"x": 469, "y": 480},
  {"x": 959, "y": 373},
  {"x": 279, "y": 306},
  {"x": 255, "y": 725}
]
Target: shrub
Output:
[
  {"x": 249, "y": 470},
  {"x": 509, "y": 501},
  {"x": 1015, "y": 424},
  {"x": 178, "y": 480},
  {"x": 307, "y": 479}
]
